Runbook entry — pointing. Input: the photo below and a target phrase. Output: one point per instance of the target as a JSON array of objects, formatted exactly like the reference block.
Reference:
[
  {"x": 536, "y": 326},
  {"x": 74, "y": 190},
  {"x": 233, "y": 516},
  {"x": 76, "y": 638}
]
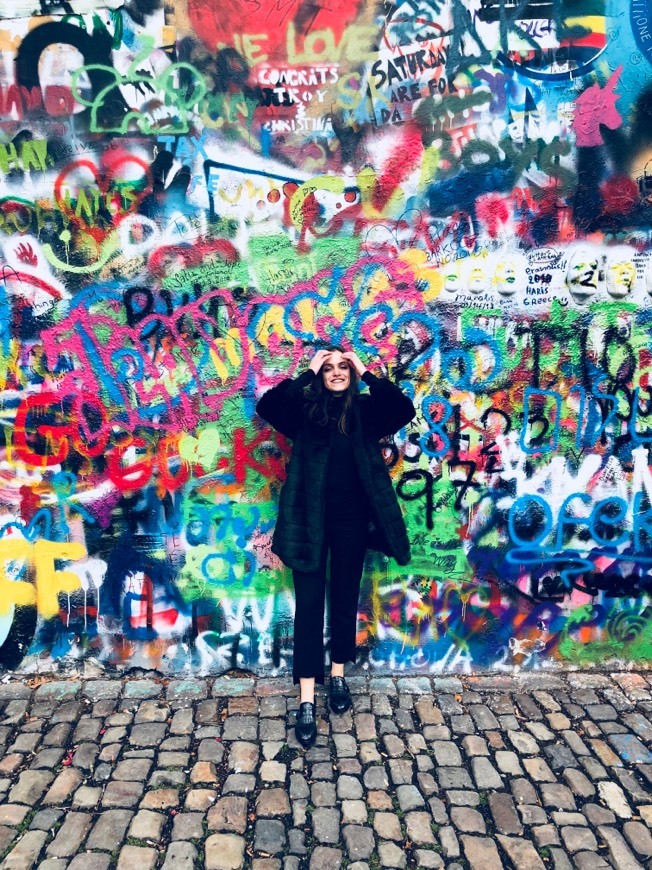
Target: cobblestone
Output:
[{"x": 422, "y": 772}]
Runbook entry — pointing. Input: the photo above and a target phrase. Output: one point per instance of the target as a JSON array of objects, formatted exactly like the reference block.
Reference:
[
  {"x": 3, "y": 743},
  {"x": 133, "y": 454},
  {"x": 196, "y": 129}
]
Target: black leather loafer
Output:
[
  {"x": 306, "y": 724},
  {"x": 339, "y": 695}
]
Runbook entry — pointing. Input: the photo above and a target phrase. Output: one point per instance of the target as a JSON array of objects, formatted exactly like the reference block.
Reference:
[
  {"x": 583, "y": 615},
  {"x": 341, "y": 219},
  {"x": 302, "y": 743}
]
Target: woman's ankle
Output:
[{"x": 307, "y": 690}]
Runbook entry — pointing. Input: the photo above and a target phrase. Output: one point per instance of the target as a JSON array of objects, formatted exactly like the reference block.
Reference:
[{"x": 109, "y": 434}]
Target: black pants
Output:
[{"x": 346, "y": 539}]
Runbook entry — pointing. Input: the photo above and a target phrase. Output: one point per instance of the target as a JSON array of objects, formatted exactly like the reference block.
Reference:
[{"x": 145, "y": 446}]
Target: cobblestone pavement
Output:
[{"x": 485, "y": 772}]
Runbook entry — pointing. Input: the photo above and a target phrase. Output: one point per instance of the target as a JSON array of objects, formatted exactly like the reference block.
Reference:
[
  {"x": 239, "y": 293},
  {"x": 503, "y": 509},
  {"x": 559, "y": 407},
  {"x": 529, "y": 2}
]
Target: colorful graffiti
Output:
[{"x": 195, "y": 198}]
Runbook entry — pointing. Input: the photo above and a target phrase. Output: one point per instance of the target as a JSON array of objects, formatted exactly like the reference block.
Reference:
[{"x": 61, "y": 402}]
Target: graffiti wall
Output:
[{"x": 197, "y": 196}]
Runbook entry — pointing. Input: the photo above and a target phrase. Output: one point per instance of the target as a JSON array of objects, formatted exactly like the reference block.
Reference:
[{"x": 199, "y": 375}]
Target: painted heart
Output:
[{"x": 118, "y": 185}]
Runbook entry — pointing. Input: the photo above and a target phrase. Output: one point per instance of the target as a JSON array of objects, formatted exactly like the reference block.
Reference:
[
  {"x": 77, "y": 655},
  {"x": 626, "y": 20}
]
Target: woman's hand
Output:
[
  {"x": 318, "y": 360},
  {"x": 355, "y": 363}
]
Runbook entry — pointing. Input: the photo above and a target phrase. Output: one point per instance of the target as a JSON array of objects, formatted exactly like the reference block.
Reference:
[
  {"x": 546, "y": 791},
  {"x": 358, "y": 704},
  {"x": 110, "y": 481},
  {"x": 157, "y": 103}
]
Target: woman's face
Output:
[{"x": 336, "y": 373}]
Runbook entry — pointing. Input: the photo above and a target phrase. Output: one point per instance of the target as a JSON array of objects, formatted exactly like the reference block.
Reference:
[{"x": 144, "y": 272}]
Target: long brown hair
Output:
[{"x": 317, "y": 398}]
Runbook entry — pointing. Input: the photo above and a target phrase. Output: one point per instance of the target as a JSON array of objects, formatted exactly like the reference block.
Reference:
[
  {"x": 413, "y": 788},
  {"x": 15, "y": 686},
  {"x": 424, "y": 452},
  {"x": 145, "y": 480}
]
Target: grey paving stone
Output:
[
  {"x": 401, "y": 771},
  {"x": 419, "y": 828},
  {"x": 239, "y": 783},
  {"x": 269, "y": 836},
  {"x": 143, "y": 857},
  {"x": 589, "y": 861},
  {"x": 325, "y": 858},
  {"x": 409, "y": 797},
  {"x": 147, "y": 735},
  {"x": 228, "y": 815},
  {"x": 485, "y": 774},
  {"x": 70, "y": 835},
  {"x": 639, "y": 838},
  {"x": 85, "y": 755},
  {"x": 349, "y": 788},
  {"x": 354, "y": 812},
  {"x": 109, "y": 830},
  {"x": 557, "y": 796},
  {"x": 25, "y": 853},
  {"x": 272, "y": 802},
  {"x": 326, "y": 825},
  {"x": 180, "y": 856},
  {"x": 578, "y": 783},
  {"x": 240, "y": 728},
  {"x": 560, "y": 860},
  {"x": 142, "y": 689},
  {"x": 530, "y": 814},
  {"x": 147, "y": 825},
  {"x": 598, "y": 815},
  {"x": 359, "y": 840},
  {"x": 560, "y": 757},
  {"x": 45, "y": 820},
  {"x": 133, "y": 770},
  {"x": 453, "y": 777},
  {"x": 323, "y": 770},
  {"x": 186, "y": 690},
  {"x": 521, "y": 852},
  {"x": 446, "y": 753},
  {"x": 579, "y": 839},
  {"x": 297, "y": 842},
  {"x": 546, "y": 835},
  {"x": 481, "y": 853},
  {"x": 428, "y": 859},
  {"x": 621, "y": 855},
  {"x": 523, "y": 743},
  {"x": 122, "y": 794},
  {"x": 503, "y": 811},
  {"x": 387, "y": 826},
  {"x": 345, "y": 745},
  {"x": 468, "y": 820},
  {"x": 182, "y": 722},
  {"x": 30, "y": 786},
  {"x": 57, "y": 691},
  {"x": 483, "y": 717},
  {"x": 632, "y": 786},
  {"x": 414, "y": 685},
  {"x": 188, "y": 826},
  {"x": 390, "y": 855},
  {"x": 462, "y": 724},
  {"x": 14, "y": 691},
  {"x": 523, "y": 791},
  {"x": 323, "y": 794}
]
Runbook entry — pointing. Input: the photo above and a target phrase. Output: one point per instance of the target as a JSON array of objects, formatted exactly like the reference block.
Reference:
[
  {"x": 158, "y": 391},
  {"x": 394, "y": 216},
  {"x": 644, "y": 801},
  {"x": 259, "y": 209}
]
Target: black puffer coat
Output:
[{"x": 299, "y": 529}]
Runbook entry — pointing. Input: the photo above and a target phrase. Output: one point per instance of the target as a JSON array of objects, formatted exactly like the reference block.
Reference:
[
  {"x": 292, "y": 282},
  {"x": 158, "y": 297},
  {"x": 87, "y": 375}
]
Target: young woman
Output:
[{"x": 338, "y": 492}]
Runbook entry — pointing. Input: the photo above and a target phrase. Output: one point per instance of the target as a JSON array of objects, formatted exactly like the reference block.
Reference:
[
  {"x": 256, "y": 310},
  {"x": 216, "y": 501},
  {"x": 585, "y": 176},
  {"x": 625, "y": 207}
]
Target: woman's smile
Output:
[{"x": 336, "y": 373}]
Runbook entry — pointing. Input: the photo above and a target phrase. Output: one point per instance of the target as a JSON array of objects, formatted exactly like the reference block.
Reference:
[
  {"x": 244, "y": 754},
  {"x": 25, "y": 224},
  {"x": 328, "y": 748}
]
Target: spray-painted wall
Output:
[{"x": 193, "y": 198}]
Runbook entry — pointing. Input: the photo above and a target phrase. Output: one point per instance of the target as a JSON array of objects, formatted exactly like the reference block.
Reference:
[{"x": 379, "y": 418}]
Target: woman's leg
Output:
[
  {"x": 306, "y": 689},
  {"x": 308, "y": 666},
  {"x": 348, "y": 548}
]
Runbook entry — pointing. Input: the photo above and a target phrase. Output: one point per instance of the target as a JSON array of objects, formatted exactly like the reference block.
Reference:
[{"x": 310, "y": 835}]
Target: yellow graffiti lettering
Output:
[
  {"x": 320, "y": 46},
  {"x": 14, "y": 591},
  {"x": 49, "y": 581},
  {"x": 252, "y": 49}
]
